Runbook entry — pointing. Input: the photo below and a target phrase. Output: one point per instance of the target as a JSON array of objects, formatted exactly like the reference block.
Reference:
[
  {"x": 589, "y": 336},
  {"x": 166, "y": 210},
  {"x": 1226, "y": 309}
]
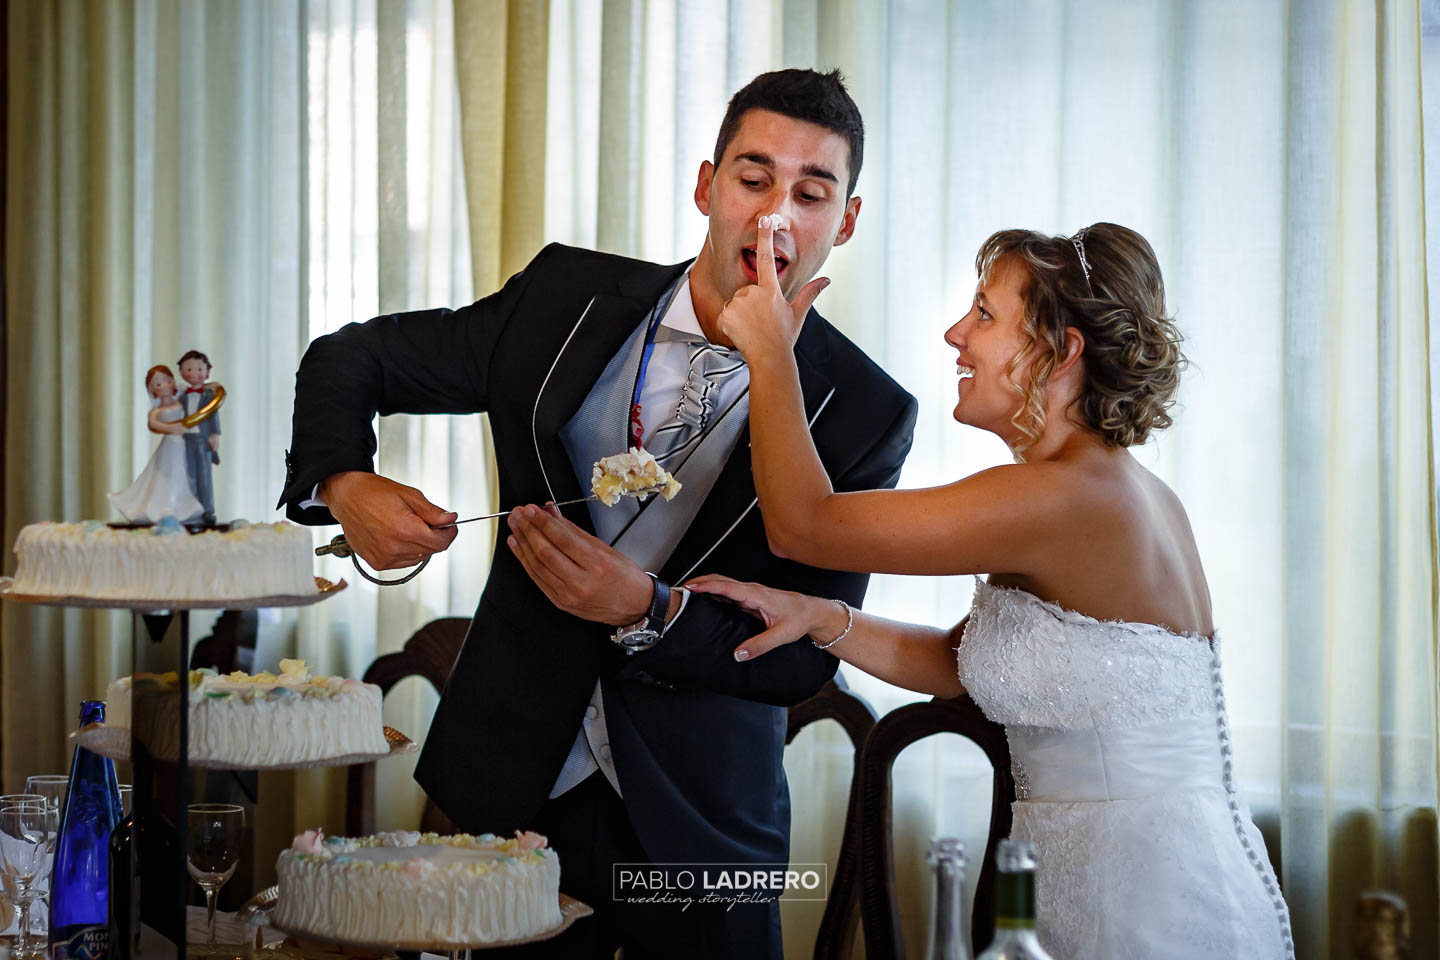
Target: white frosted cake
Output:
[
  {"x": 257, "y": 721},
  {"x": 632, "y": 474},
  {"x": 164, "y": 562},
  {"x": 418, "y": 890}
]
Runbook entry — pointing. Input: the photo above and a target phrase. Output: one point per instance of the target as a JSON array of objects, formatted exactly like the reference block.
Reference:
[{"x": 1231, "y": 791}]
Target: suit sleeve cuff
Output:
[{"x": 684, "y": 601}]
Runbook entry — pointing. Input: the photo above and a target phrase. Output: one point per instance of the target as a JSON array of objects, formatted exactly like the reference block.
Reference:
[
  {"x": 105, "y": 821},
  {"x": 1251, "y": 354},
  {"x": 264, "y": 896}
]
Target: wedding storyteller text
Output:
[{"x": 684, "y": 884}]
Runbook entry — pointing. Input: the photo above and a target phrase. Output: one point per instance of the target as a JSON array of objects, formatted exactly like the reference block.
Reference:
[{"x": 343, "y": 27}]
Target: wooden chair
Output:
[
  {"x": 895, "y": 731},
  {"x": 430, "y": 653},
  {"x": 856, "y": 718}
]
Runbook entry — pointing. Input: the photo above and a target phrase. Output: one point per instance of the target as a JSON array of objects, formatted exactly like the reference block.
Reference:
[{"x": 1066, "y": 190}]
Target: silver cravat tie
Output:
[{"x": 710, "y": 366}]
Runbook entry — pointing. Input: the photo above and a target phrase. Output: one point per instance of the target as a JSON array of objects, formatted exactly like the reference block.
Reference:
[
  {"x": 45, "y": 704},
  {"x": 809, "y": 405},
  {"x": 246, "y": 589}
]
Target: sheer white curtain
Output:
[
  {"x": 1271, "y": 155},
  {"x": 387, "y": 232}
]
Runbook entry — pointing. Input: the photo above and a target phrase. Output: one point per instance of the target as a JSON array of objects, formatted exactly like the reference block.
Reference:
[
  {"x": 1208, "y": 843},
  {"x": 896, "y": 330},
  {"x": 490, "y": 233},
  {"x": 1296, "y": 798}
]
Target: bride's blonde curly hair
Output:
[{"x": 1132, "y": 358}]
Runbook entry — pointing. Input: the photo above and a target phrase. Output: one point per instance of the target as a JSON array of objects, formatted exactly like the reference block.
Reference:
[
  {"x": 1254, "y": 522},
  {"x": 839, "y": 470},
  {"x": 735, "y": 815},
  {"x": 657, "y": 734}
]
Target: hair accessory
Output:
[
  {"x": 849, "y": 622},
  {"x": 1078, "y": 242}
]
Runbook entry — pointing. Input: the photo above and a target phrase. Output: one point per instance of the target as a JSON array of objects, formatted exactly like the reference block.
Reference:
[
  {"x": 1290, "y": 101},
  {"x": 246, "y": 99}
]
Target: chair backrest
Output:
[
  {"x": 430, "y": 653},
  {"x": 856, "y": 718},
  {"x": 891, "y": 734}
]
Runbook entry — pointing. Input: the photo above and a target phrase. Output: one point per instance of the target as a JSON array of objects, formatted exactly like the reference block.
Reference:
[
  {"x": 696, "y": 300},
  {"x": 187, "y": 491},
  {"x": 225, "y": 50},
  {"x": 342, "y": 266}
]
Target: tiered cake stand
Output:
[{"x": 163, "y": 786}]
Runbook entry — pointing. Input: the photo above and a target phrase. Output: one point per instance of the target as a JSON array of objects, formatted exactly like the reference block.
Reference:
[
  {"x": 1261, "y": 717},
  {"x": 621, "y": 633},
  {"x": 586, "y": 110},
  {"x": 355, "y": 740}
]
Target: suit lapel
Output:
[
  {"x": 733, "y": 495},
  {"x": 598, "y": 333}
]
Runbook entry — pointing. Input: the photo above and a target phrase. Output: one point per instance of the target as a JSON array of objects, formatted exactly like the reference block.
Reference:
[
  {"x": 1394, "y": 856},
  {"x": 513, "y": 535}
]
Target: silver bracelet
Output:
[{"x": 849, "y": 622}]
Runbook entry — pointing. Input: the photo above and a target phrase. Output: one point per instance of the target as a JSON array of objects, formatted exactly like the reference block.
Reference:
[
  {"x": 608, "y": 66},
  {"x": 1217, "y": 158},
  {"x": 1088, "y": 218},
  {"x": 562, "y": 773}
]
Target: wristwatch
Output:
[{"x": 646, "y": 633}]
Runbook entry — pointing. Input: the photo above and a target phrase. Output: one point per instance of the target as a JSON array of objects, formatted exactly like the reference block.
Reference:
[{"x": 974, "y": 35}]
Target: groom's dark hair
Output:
[
  {"x": 818, "y": 98},
  {"x": 195, "y": 355}
]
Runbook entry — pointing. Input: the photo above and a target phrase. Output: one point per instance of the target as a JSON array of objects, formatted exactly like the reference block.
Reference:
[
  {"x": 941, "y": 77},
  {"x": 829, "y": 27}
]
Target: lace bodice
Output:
[{"x": 1025, "y": 661}]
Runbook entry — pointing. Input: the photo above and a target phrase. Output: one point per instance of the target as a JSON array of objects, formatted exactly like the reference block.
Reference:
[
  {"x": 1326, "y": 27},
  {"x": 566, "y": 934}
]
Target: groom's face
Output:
[
  {"x": 774, "y": 164},
  {"x": 194, "y": 372}
]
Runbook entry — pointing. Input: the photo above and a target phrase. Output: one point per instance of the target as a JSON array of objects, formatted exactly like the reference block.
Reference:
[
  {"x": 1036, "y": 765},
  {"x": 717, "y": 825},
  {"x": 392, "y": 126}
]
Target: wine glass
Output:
[
  {"x": 52, "y": 786},
  {"x": 125, "y": 794},
  {"x": 9, "y": 888},
  {"x": 216, "y": 830},
  {"x": 27, "y": 830}
]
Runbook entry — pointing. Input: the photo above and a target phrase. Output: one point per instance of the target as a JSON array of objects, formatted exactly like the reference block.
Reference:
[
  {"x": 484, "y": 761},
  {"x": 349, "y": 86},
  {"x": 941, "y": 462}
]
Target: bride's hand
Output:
[
  {"x": 757, "y": 319},
  {"x": 787, "y": 616}
]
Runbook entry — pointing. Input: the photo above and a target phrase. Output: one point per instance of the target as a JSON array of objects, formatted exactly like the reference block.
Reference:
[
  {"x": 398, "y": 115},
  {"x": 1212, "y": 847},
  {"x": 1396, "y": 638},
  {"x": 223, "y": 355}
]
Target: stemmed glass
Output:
[
  {"x": 51, "y": 786},
  {"x": 216, "y": 830},
  {"x": 27, "y": 830},
  {"x": 10, "y": 892}
]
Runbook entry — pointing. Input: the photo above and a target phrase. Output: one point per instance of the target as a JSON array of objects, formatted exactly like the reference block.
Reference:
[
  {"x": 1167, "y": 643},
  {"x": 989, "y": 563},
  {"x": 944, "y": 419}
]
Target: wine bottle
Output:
[
  {"x": 124, "y": 907},
  {"x": 1015, "y": 905},
  {"x": 79, "y": 919},
  {"x": 948, "y": 939}
]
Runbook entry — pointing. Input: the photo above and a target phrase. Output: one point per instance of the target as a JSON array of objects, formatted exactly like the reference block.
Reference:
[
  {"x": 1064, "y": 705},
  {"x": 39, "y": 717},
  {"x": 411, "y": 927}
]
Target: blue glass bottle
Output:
[{"x": 80, "y": 884}]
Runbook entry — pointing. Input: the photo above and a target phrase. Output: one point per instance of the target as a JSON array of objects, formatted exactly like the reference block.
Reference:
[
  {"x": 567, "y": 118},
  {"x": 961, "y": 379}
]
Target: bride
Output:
[
  {"x": 1092, "y": 641},
  {"x": 163, "y": 487}
]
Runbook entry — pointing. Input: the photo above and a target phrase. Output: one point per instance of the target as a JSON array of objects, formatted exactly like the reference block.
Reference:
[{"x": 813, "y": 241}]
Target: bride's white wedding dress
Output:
[
  {"x": 1123, "y": 781},
  {"x": 163, "y": 487}
]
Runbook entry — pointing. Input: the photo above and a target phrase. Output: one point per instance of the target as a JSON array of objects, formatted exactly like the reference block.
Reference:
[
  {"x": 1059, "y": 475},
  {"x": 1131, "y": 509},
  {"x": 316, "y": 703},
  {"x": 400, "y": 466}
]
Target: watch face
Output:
[{"x": 638, "y": 639}]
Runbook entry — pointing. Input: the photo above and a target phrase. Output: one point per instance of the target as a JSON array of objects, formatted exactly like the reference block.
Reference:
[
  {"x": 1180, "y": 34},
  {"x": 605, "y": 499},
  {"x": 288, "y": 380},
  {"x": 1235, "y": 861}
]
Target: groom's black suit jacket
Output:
[{"x": 696, "y": 737}]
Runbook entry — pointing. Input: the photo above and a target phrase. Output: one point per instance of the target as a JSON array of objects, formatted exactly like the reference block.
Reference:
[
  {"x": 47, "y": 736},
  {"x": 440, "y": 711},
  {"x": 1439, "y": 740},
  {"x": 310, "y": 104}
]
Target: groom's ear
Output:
[{"x": 703, "y": 180}]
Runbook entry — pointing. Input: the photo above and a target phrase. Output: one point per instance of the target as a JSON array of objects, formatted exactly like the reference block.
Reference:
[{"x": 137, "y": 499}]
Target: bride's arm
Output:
[
  {"x": 986, "y": 522},
  {"x": 908, "y": 655},
  {"x": 158, "y": 425}
]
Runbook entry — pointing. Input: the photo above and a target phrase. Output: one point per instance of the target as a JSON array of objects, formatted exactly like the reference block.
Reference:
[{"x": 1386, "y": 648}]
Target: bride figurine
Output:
[{"x": 163, "y": 487}]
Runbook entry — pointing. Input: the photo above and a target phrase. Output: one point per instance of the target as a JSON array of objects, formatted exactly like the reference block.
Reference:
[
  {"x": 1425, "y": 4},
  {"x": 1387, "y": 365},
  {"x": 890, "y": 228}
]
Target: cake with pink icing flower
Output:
[{"x": 416, "y": 891}]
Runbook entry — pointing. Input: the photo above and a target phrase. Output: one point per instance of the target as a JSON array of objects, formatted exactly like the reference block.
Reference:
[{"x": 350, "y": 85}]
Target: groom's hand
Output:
[
  {"x": 581, "y": 574},
  {"x": 388, "y": 524}
]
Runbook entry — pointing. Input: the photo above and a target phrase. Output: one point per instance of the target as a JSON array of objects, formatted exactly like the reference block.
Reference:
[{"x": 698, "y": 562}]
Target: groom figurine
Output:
[
  {"x": 202, "y": 441},
  {"x": 598, "y": 703}
]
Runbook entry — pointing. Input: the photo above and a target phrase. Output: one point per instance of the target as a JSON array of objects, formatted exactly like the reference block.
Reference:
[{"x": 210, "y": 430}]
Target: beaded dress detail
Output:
[{"x": 1124, "y": 782}]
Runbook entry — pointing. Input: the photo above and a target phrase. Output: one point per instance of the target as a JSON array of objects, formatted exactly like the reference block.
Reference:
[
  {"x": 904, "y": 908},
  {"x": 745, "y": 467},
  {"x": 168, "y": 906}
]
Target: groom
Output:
[
  {"x": 202, "y": 441},
  {"x": 596, "y": 703}
]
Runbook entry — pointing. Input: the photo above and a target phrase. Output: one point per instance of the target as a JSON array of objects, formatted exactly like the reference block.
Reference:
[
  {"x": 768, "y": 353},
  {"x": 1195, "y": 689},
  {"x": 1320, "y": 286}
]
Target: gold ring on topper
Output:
[{"x": 207, "y": 411}]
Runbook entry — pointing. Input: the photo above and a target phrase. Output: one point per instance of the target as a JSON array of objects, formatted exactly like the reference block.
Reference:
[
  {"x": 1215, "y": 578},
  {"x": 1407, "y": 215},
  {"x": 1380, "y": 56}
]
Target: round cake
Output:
[
  {"x": 163, "y": 562},
  {"x": 264, "y": 720},
  {"x": 416, "y": 890}
]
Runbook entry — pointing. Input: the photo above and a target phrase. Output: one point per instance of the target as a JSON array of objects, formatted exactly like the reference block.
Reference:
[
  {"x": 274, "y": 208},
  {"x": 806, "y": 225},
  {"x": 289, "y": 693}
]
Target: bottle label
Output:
[{"x": 88, "y": 943}]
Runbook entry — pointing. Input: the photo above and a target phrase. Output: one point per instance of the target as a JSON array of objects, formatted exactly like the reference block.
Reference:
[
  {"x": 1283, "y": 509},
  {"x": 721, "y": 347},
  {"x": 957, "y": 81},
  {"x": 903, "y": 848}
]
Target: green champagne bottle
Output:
[{"x": 1015, "y": 905}]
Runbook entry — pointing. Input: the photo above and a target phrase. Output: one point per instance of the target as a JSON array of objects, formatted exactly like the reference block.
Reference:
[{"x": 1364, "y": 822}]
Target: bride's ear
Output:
[{"x": 1074, "y": 349}]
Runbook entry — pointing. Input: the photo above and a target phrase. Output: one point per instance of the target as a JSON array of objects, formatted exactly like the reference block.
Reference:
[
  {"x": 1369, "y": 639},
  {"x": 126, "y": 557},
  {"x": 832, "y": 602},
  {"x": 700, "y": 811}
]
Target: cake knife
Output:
[
  {"x": 502, "y": 513},
  {"x": 340, "y": 547}
]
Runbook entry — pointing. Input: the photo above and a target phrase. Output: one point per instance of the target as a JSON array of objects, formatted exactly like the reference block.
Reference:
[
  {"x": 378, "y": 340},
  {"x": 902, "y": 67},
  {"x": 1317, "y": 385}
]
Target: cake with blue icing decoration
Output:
[
  {"x": 255, "y": 721},
  {"x": 163, "y": 562}
]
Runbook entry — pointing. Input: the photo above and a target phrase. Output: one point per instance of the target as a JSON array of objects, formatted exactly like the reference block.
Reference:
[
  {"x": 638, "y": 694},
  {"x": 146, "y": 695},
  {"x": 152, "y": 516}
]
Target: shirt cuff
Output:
[
  {"x": 684, "y": 601},
  {"x": 316, "y": 501}
]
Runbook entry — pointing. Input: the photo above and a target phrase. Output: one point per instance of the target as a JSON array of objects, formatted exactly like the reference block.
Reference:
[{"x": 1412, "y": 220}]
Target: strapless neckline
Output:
[{"x": 1066, "y": 615}]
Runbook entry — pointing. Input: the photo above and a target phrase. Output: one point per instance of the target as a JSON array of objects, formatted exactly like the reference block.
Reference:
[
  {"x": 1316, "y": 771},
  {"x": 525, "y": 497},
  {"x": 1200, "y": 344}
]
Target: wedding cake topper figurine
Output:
[
  {"x": 201, "y": 402},
  {"x": 163, "y": 488},
  {"x": 176, "y": 482}
]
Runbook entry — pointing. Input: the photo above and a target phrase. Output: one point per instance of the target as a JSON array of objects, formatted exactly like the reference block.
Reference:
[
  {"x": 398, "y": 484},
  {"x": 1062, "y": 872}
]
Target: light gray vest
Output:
[{"x": 646, "y": 533}]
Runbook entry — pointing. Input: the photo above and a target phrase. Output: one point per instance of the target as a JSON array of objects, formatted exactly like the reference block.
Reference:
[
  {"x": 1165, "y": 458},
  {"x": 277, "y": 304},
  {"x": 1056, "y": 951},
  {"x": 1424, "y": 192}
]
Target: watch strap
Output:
[{"x": 659, "y": 605}]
